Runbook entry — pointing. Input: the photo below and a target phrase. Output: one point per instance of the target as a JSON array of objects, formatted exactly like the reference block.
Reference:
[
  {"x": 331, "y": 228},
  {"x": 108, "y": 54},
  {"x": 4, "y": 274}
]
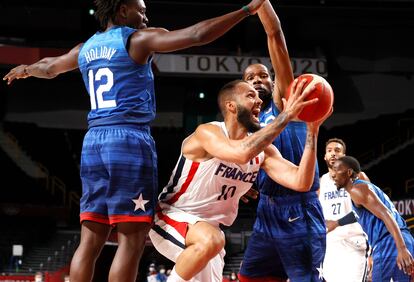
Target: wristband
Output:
[
  {"x": 246, "y": 10},
  {"x": 348, "y": 219}
]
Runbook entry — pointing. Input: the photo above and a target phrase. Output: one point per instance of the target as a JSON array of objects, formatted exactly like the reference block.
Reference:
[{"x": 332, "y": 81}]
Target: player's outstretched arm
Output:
[
  {"x": 161, "y": 40},
  {"x": 48, "y": 67},
  {"x": 363, "y": 196},
  {"x": 278, "y": 51}
]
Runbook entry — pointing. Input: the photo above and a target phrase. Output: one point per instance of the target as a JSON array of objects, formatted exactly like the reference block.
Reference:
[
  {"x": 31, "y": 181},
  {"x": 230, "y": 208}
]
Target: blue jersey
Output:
[
  {"x": 373, "y": 226},
  {"x": 289, "y": 234},
  {"x": 121, "y": 91},
  {"x": 291, "y": 144}
]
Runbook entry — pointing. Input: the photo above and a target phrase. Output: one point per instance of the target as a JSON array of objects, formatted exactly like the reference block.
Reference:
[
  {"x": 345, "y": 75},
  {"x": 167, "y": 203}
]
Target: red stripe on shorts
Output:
[
  {"x": 181, "y": 227},
  {"x": 95, "y": 217},
  {"x": 128, "y": 218}
]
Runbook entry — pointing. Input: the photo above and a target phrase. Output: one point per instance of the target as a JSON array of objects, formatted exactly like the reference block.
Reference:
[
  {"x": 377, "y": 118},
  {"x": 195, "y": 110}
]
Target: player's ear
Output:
[
  {"x": 123, "y": 11},
  {"x": 231, "y": 106}
]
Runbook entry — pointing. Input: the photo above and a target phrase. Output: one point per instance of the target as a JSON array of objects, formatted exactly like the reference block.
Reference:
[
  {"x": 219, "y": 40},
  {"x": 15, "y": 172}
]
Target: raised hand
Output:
[
  {"x": 254, "y": 5},
  {"x": 18, "y": 72},
  {"x": 297, "y": 100}
]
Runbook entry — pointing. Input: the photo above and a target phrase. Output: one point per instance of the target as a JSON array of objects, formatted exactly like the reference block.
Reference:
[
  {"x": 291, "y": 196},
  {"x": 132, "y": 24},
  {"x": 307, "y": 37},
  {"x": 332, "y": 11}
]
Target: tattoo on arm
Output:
[
  {"x": 265, "y": 136},
  {"x": 311, "y": 141}
]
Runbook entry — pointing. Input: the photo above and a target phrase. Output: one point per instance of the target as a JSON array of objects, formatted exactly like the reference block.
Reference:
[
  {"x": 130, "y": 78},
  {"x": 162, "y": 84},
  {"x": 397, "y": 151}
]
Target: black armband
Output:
[{"x": 348, "y": 219}]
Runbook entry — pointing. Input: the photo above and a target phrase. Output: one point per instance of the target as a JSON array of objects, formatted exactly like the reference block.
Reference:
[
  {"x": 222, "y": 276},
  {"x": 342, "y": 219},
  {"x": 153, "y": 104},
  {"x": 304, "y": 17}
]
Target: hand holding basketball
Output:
[
  {"x": 322, "y": 90},
  {"x": 298, "y": 98}
]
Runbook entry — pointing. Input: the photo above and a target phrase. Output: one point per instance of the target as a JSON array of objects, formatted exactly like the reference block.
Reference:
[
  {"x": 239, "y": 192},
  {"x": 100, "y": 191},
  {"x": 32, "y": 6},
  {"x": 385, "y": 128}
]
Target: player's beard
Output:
[
  {"x": 328, "y": 164},
  {"x": 244, "y": 117}
]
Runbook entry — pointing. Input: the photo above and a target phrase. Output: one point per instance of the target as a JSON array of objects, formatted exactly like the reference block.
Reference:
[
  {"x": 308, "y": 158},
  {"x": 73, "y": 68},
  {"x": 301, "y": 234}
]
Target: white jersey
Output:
[
  {"x": 346, "y": 246},
  {"x": 337, "y": 203},
  {"x": 211, "y": 189}
]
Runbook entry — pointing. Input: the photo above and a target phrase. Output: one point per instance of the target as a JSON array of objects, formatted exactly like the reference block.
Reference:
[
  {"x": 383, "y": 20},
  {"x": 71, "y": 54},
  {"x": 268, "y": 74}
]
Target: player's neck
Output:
[
  {"x": 109, "y": 25},
  {"x": 330, "y": 171},
  {"x": 235, "y": 130}
]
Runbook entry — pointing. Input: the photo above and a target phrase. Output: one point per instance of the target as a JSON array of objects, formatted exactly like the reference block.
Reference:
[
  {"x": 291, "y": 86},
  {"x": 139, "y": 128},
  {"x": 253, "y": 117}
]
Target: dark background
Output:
[{"x": 368, "y": 47}]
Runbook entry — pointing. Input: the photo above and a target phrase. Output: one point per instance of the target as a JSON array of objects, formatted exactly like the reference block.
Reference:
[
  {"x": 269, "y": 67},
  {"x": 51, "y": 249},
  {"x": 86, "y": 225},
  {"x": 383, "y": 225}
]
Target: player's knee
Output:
[{"x": 211, "y": 245}]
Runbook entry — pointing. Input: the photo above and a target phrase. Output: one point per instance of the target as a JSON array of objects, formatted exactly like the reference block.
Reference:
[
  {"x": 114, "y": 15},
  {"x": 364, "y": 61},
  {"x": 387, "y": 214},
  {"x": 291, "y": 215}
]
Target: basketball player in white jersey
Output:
[
  {"x": 218, "y": 164},
  {"x": 346, "y": 243}
]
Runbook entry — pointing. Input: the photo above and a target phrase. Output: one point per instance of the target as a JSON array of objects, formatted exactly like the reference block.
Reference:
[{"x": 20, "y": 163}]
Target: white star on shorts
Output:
[
  {"x": 140, "y": 203},
  {"x": 320, "y": 270}
]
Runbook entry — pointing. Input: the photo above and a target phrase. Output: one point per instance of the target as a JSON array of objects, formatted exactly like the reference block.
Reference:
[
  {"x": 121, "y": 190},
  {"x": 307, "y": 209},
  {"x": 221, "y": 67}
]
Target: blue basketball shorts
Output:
[
  {"x": 119, "y": 175},
  {"x": 288, "y": 240},
  {"x": 385, "y": 259}
]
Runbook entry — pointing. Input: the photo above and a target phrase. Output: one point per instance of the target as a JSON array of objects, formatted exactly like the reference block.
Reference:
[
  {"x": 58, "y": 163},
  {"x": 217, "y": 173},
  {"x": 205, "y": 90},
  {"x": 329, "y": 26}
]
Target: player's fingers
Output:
[
  {"x": 399, "y": 265},
  {"x": 308, "y": 91},
  {"x": 299, "y": 88},
  {"x": 293, "y": 88},
  {"x": 244, "y": 199},
  {"x": 284, "y": 102},
  {"x": 407, "y": 268},
  {"x": 7, "y": 75},
  {"x": 10, "y": 78},
  {"x": 310, "y": 102},
  {"x": 252, "y": 192}
]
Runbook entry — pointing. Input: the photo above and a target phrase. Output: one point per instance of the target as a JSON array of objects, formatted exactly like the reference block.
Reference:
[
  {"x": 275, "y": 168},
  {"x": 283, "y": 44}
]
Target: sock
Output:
[{"x": 174, "y": 277}]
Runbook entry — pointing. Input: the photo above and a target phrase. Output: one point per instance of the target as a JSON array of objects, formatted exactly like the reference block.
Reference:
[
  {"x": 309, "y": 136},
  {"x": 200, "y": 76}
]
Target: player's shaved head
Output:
[{"x": 227, "y": 92}]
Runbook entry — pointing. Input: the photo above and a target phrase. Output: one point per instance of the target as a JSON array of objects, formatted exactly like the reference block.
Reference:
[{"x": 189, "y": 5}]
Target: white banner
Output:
[
  {"x": 405, "y": 207},
  {"x": 229, "y": 65}
]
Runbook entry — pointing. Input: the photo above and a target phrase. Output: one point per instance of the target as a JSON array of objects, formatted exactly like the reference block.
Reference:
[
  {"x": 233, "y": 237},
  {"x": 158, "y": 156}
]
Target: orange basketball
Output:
[{"x": 323, "y": 91}]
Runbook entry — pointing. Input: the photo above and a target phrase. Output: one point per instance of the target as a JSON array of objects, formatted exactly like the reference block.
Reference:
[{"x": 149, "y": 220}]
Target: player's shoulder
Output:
[
  {"x": 149, "y": 31},
  {"x": 209, "y": 128},
  {"x": 326, "y": 182},
  {"x": 325, "y": 176}
]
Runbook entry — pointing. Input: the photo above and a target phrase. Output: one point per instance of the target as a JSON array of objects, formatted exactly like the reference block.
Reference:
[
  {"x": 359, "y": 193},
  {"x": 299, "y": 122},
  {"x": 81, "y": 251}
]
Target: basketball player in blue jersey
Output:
[
  {"x": 289, "y": 234},
  {"x": 387, "y": 231},
  {"x": 119, "y": 162}
]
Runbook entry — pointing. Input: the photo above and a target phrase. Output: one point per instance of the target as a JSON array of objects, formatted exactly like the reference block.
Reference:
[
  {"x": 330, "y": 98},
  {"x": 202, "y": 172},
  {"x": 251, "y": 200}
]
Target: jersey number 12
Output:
[{"x": 97, "y": 100}]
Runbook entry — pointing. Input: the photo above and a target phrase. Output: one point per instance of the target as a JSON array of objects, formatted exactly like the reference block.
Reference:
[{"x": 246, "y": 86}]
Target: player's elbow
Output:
[
  {"x": 242, "y": 158},
  {"x": 275, "y": 32},
  {"x": 304, "y": 189},
  {"x": 304, "y": 186},
  {"x": 50, "y": 70}
]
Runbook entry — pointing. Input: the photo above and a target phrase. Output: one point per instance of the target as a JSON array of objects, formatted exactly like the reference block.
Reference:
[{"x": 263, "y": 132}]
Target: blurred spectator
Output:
[
  {"x": 38, "y": 277},
  {"x": 233, "y": 276},
  {"x": 161, "y": 276},
  {"x": 152, "y": 273}
]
